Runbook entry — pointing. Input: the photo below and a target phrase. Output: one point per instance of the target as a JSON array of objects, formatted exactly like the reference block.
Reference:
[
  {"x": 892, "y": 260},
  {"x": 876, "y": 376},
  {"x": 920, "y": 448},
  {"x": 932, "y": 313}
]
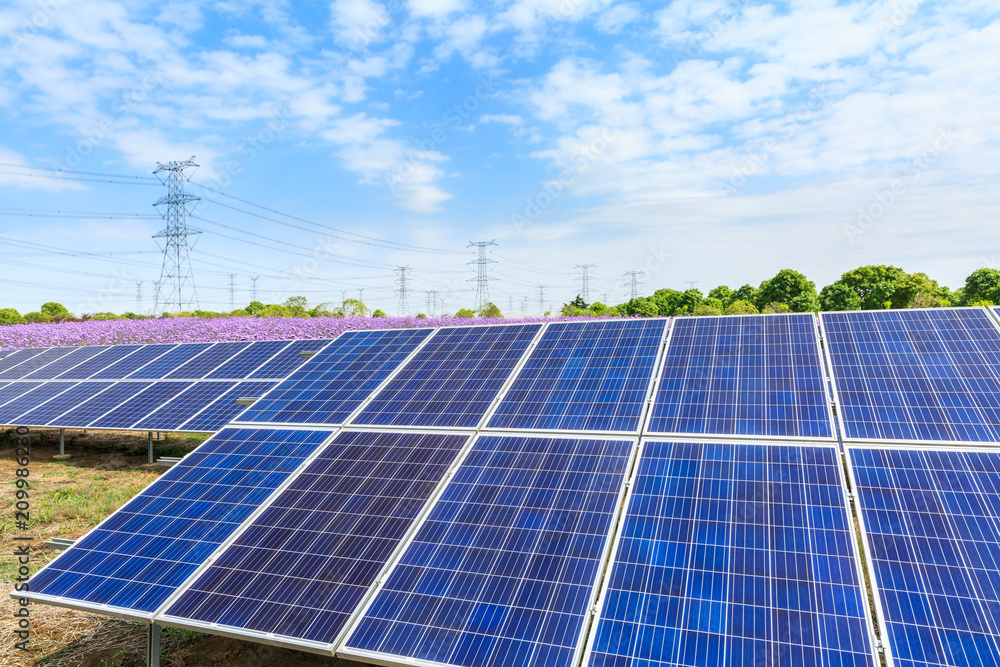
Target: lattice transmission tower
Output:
[
  {"x": 138, "y": 297},
  {"x": 232, "y": 291},
  {"x": 634, "y": 282},
  {"x": 585, "y": 281},
  {"x": 541, "y": 298},
  {"x": 403, "y": 291},
  {"x": 482, "y": 278},
  {"x": 253, "y": 287},
  {"x": 176, "y": 288}
]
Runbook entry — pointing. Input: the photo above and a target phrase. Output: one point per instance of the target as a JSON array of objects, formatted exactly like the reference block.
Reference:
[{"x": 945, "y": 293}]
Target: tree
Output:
[
  {"x": 838, "y": 296},
  {"x": 746, "y": 293},
  {"x": 255, "y": 308},
  {"x": 918, "y": 290},
  {"x": 579, "y": 302},
  {"x": 775, "y": 307},
  {"x": 597, "y": 308},
  {"x": 790, "y": 288},
  {"x": 325, "y": 309},
  {"x": 465, "y": 312},
  {"x": 239, "y": 312},
  {"x": 708, "y": 307},
  {"x": 876, "y": 286},
  {"x": 354, "y": 308},
  {"x": 105, "y": 316},
  {"x": 981, "y": 285},
  {"x": 491, "y": 310},
  {"x": 741, "y": 307},
  {"x": 723, "y": 294},
  {"x": 643, "y": 306},
  {"x": 297, "y": 305},
  {"x": 38, "y": 317},
  {"x": 275, "y": 310},
  {"x": 690, "y": 300},
  {"x": 379, "y": 313},
  {"x": 56, "y": 310},
  {"x": 10, "y": 316},
  {"x": 667, "y": 300}
]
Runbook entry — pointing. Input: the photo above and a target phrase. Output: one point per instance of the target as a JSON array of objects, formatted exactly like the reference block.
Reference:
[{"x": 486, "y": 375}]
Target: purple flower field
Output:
[{"x": 196, "y": 330}]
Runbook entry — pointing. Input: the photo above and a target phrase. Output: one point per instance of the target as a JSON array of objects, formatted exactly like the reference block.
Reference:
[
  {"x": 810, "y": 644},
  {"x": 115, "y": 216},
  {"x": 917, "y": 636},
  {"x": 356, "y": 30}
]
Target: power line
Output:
[{"x": 73, "y": 171}]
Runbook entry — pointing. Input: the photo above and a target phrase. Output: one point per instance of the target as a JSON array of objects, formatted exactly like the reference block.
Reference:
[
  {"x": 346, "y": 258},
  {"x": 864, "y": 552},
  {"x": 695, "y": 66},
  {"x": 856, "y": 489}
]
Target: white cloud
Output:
[
  {"x": 358, "y": 23},
  {"x": 617, "y": 17},
  {"x": 435, "y": 9},
  {"x": 20, "y": 178}
]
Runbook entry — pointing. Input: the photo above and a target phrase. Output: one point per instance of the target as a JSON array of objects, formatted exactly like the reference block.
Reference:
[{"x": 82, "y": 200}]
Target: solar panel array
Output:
[
  {"x": 582, "y": 494},
  {"x": 159, "y": 387}
]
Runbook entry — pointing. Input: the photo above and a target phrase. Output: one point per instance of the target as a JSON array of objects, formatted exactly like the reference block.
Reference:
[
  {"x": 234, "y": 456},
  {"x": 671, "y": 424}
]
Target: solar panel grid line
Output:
[
  {"x": 517, "y": 375},
  {"x": 111, "y": 354},
  {"x": 76, "y": 392},
  {"x": 620, "y": 536},
  {"x": 184, "y": 406},
  {"x": 145, "y": 403},
  {"x": 83, "y": 414},
  {"x": 201, "y": 365},
  {"x": 36, "y": 362},
  {"x": 173, "y": 358},
  {"x": 289, "y": 359},
  {"x": 928, "y": 598},
  {"x": 221, "y": 412},
  {"x": 948, "y": 357},
  {"x": 68, "y": 362},
  {"x": 657, "y": 377},
  {"x": 35, "y": 398},
  {"x": 417, "y": 367},
  {"x": 323, "y": 648},
  {"x": 256, "y": 365},
  {"x": 347, "y": 652},
  {"x": 16, "y": 358},
  {"x": 838, "y": 415},
  {"x": 139, "y": 498},
  {"x": 138, "y": 359}
]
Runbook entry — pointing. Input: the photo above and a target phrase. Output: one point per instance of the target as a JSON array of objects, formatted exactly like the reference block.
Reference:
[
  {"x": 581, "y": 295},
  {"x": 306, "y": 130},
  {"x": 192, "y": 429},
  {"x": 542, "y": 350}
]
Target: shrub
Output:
[
  {"x": 38, "y": 317},
  {"x": 465, "y": 312},
  {"x": 11, "y": 316},
  {"x": 379, "y": 313}
]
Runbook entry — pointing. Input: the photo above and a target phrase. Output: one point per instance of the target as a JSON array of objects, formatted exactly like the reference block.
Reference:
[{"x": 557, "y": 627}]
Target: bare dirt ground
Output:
[{"x": 70, "y": 497}]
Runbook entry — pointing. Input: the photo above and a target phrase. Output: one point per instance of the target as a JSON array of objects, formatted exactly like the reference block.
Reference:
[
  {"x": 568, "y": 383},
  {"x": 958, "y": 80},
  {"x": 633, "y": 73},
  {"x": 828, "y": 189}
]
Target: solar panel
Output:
[
  {"x": 30, "y": 400},
  {"x": 18, "y": 357},
  {"x": 746, "y": 375},
  {"x": 12, "y": 390},
  {"x": 453, "y": 379},
  {"x": 136, "y": 558},
  {"x": 159, "y": 367},
  {"x": 226, "y": 409},
  {"x": 185, "y": 406},
  {"x": 734, "y": 554},
  {"x": 91, "y": 409},
  {"x": 931, "y": 524},
  {"x": 208, "y": 361},
  {"x": 247, "y": 361},
  {"x": 110, "y": 355},
  {"x": 128, "y": 365},
  {"x": 916, "y": 375},
  {"x": 302, "y": 568},
  {"x": 505, "y": 568},
  {"x": 285, "y": 362},
  {"x": 134, "y": 409},
  {"x": 338, "y": 379},
  {"x": 74, "y": 395},
  {"x": 76, "y": 356},
  {"x": 35, "y": 362},
  {"x": 585, "y": 376}
]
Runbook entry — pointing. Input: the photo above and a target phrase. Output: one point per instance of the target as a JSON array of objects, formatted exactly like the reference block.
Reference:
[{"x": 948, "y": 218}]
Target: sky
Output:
[{"x": 685, "y": 144}]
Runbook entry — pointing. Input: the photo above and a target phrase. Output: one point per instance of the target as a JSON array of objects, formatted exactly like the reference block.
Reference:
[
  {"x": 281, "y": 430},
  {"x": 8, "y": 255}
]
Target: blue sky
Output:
[{"x": 708, "y": 142}]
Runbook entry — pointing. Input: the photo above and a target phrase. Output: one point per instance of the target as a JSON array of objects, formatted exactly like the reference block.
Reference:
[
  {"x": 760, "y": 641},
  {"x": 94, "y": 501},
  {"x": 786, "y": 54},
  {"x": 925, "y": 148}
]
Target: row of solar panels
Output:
[{"x": 159, "y": 387}]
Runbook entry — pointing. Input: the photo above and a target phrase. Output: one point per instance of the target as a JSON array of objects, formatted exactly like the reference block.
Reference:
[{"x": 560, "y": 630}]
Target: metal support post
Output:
[
  {"x": 62, "y": 442},
  {"x": 150, "y": 446},
  {"x": 153, "y": 646}
]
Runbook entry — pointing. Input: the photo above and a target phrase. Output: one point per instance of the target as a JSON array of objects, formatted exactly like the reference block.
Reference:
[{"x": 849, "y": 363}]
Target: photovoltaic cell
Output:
[
  {"x": 338, "y": 379},
  {"x": 161, "y": 366},
  {"x": 89, "y": 410},
  {"x": 734, "y": 554},
  {"x": 208, "y": 361},
  {"x": 931, "y": 524},
  {"x": 134, "y": 409},
  {"x": 17, "y": 357},
  {"x": 505, "y": 568},
  {"x": 182, "y": 408},
  {"x": 290, "y": 358},
  {"x": 585, "y": 376},
  {"x": 30, "y": 400},
  {"x": 453, "y": 379},
  {"x": 78, "y": 355},
  {"x": 306, "y": 563},
  {"x": 247, "y": 361},
  {"x": 109, "y": 356},
  {"x": 226, "y": 409},
  {"x": 44, "y": 358},
  {"x": 759, "y": 375},
  {"x": 121, "y": 369},
  {"x": 74, "y": 395},
  {"x": 142, "y": 553},
  {"x": 916, "y": 375}
]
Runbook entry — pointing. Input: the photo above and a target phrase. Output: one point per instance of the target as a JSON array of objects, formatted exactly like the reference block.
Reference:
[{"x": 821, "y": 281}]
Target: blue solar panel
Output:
[
  {"x": 337, "y": 380},
  {"x": 160, "y": 367},
  {"x": 453, "y": 379},
  {"x": 306, "y": 563},
  {"x": 585, "y": 376},
  {"x": 734, "y": 555},
  {"x": 931, "y": 524},
  {"x": 37, "y": 361},
  {"x": 89, "y": 410},
  {"x": 10, "y": 411},
  {"x": 132, "y": 362},
  {"x": 208, "y": 361},
  {"x": 226, "y": 409},
  {"x": 14, "y": 389},
  {"x": 18, "y": 357},
  {"x": 142, "y": 553},
  {"x": 916, "y": 375},
  {"x": 134, "y": 409},
  {"x": 247, "y": 361},
  {"x": 756, "y": 375},
  {"x": 74, "y": 395},
  {"x": 78, "y": 355},
  {"x": 175, "y": 412},
  {"x": 285, "y": 362},
  {"x": 505, "y": 568},
  {"x": 108, "y": 356}
]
